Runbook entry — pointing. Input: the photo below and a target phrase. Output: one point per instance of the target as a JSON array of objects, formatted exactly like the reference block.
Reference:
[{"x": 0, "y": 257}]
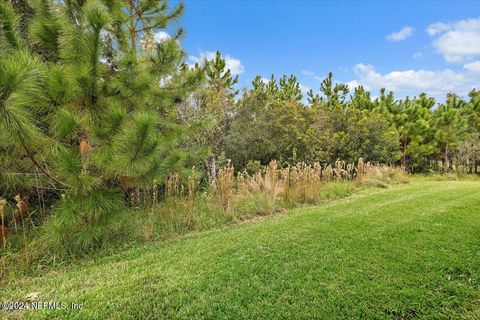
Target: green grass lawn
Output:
[{"x": 410, "y": 251}]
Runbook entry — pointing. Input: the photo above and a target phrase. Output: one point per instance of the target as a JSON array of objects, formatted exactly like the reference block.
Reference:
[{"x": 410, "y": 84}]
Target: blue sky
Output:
[{"x": 431, "y": 46}]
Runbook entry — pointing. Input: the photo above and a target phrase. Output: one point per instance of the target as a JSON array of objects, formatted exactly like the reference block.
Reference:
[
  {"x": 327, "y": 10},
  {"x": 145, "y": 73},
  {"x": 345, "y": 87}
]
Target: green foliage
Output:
[
  {"x": 450, "y": 125},
  {"x": 210, "y": 111},
  {"x": 20, "y": 75},
  {"x": 9, "y": 25},
  {"x": 336, "y": 190},
  {"x": 81, "y": 223},
  {"x": 45, "y": 28},
  {"x": 83, "y": 123},
  {"x": 218, "y": 77},
  {"x": 253, "y": 166},
  {"x": 272, "y": 123}
]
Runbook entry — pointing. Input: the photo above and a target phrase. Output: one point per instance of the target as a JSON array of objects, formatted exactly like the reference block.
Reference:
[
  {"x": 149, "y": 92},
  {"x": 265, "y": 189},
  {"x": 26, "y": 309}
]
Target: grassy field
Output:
[{"x": 410, "y": 251}]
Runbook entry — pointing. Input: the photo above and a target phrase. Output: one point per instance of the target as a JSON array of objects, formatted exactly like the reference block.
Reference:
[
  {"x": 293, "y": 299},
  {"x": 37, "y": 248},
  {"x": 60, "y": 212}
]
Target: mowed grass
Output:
[{"x": 410, "y": 251}]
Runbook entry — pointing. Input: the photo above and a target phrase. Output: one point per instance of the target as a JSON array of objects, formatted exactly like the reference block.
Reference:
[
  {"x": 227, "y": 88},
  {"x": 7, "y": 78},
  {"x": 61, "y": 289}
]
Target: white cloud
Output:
[
  {"x": 413, "y": 82},
  {"x": 403, "y": 34},
  {"x": 231, "y": 63},
  {"x": 354, "y": 83},
  {"x": 160, "y": 36},
  {"x": 265, "y": 80},
  {"x": 312, "y": 74},
  {"x": 436, "y": 28},
  {"x": 457, "y": 41},
  {"x": 308, "y": 73},
  {"x": 234, "y": 65},
  {"x": 473, "y": 66}
]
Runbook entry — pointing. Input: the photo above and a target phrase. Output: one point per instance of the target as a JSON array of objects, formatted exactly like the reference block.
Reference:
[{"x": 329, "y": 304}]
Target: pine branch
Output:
[{"x": 42, "y": 168}]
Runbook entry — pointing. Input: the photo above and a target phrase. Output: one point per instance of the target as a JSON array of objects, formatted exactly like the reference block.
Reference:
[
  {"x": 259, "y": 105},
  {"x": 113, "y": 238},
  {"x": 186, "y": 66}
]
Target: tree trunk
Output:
[
  {"x": 446, "y": 156},
  {"x": 213, "y": 169},
  {"x": 133, "y": 40},
  {"x": 84, "y": 151},
  {"x": 475, "y": 162}
]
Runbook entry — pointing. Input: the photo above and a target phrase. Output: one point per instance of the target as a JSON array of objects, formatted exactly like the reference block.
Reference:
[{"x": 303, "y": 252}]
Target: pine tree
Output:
[
  {"x": 450, "y": 125},
  {"x": 472, "y": 114},
  {"x": 210, "y": 110},
  {"x": 414, "y": 122},
  {"x": 93, "y": 111},
  {"x": 334, "y": 95}
]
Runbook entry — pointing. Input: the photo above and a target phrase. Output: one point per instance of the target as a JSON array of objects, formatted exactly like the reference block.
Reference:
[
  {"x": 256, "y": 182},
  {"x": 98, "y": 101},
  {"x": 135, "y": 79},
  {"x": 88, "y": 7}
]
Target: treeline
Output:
[
  {"x": 272, "y": 121},
  {"x": 96, "y": 114}
]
